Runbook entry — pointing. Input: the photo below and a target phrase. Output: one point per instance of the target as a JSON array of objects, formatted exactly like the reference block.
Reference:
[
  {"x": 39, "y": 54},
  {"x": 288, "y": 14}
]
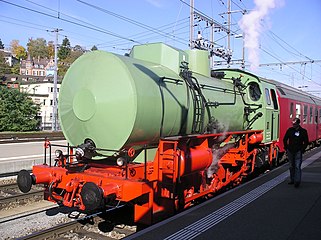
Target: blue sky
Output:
[{"x": 290, "y": 30}]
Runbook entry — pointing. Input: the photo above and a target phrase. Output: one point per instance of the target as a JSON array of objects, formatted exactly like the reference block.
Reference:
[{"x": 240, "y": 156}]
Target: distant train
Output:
[{"x": 157, "y": 130}]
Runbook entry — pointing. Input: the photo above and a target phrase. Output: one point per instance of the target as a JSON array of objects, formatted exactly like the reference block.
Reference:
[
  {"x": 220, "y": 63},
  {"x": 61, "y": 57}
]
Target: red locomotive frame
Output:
[{"x": 178, "y": 174}]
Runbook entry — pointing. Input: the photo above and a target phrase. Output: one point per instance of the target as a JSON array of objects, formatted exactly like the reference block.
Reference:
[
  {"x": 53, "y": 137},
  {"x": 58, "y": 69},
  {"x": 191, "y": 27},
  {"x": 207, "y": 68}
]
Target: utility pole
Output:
[
  {"x": 191, "y": 24},
  {"x": 54, "y": 126},
  {"x": 229, "y": 25},
  {"x": 201, "y": 42}
]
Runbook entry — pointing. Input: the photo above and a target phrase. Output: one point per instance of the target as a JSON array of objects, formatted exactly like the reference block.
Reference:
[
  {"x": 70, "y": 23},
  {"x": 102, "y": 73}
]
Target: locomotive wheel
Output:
[{"x": 91, "y": 196}]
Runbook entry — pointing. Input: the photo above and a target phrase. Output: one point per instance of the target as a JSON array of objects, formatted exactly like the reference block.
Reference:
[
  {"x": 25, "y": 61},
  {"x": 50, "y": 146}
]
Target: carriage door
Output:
[{"x": 275, "y": 118}]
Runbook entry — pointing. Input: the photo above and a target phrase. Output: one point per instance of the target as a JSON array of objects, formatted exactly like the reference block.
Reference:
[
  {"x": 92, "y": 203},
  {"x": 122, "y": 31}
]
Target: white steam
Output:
[{"x": 251, "y": 27}]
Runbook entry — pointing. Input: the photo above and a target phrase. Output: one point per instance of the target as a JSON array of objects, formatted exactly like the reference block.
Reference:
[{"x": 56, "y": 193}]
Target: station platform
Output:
[{"x": 264, "y": 208}]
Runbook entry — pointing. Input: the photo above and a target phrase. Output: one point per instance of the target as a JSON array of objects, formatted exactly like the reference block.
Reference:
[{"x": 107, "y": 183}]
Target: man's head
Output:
[{"x": 296, "y": 123}]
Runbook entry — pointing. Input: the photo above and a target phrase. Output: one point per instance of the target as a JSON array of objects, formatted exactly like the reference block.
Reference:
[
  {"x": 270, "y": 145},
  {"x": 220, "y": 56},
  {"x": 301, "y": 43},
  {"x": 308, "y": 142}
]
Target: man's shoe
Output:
[
  {"x": 296, "y": 185},
  {"x": 291, "y": 183}
]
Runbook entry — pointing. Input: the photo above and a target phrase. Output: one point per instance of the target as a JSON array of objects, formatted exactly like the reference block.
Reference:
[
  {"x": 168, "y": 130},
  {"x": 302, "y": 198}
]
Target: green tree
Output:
[
  {"x": 4, "y": 66},
  {"x": 94, "y": 48},
  {"x": 51, "y": 49},
  {"x": 1, "y": 44},
  {"x": 64, "y": 50},
  {"x": 38, "y": 48},
  {"x": 17, "y": 111},
  {"x": 15, "y": 69},
  {"x": 63, "y": 65}
]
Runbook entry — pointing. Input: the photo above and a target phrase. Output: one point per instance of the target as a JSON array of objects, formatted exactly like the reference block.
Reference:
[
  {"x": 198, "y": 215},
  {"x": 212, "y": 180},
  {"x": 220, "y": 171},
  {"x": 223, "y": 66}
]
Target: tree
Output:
[
  {"x": 64, "y": 64},
  {"x": 15, "y": 69},
  {"x": 4, "y": 66},
  {"x": 17, "y": 111},
  {"x": 94, "y": 48},
  {"x": 79, "y": 49},
  {"x": 20, "y": 52},
  {"x": 51, "y": 49},
  {"x": 1, "y": 44},
  {"x": 64, "y": 50},
  {"x": 38, "y": 48},
  {"x": 17, "y": 50}
]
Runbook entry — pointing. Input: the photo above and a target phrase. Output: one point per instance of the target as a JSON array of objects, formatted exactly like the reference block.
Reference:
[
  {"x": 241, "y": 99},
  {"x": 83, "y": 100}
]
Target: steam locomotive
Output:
[{"x": 157, "y": 130}]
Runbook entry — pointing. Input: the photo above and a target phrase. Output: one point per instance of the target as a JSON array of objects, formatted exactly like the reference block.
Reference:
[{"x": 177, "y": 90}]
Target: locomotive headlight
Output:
[
  {"x": 58, "y": 153},
  {"x": 120, "y": 161}
]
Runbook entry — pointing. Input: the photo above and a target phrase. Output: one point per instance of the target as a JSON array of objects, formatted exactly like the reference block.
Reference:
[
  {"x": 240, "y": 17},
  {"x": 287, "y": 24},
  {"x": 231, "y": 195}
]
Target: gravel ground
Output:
[
  {"x": 8, "y": 180},
  {"x": 34, "y": 223},
  {"x": 27, "y": 225},
  {"x": 89, "y": 232},
  {"x": 12, "y": 229}
]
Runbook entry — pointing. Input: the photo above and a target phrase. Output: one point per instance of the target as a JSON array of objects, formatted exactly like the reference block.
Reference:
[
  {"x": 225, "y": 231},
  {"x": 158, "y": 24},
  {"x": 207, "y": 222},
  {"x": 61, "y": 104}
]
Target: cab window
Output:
[
  {"x": 254, "y": 90},
  {"x": 267, "y": 96}
]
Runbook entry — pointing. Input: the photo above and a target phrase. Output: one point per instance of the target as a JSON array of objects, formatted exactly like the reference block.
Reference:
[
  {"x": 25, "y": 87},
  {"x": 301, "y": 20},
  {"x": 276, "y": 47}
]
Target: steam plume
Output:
[{"x": 251, "y": 27}]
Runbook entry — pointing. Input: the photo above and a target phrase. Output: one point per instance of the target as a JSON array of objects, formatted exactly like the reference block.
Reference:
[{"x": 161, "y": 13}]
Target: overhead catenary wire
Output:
[
  {"x": 134, "y": 22},
  {"x": 142, "y": 35},
  {"x": 150, "y": 29},
  {"x": 71, "y": 22},
  {"x": 22, "y": 25},
  {"x": 289, "y": 66},
  {"x": 44, "y": 29}
]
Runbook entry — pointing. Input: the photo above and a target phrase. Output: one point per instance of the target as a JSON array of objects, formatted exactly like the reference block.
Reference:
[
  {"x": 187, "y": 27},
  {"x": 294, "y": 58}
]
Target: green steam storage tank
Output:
[{"x": 157, "y": 91}]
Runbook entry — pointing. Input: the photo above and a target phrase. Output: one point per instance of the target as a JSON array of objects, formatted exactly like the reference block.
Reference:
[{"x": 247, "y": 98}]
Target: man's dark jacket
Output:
[{"x": 296, "y": 140}]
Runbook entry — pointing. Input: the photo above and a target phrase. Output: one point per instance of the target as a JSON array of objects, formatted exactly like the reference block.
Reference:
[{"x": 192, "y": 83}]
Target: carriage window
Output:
[
  {"x": 298, "y": 110},
  {"x": 316, "y": 115},
  {"x": 291, "y": 110},
  {"x": 311, "y": 114},
  {"x": 320, "y": 115},
  {"x": 267, "y": 96},
  {"x": 305, "y": 114},
  {"x": 274, "y": 99}
]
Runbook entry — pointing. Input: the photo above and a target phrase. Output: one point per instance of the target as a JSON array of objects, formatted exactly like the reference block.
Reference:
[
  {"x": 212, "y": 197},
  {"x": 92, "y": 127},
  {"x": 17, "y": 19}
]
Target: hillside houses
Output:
[
  {"x": 37, "y": 67},
  {"x": 36, "y": 79}
]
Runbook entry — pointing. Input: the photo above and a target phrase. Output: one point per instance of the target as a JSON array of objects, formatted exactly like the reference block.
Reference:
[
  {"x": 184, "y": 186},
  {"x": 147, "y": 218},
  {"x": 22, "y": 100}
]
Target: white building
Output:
[
  {"x": 42, "y": 94},
  {"x": 9, "y": 58}
]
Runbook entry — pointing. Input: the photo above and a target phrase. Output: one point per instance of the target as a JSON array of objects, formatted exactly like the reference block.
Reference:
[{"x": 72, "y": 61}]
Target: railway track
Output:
[
  {"x": 10, "y": 196},
  {"x": 48, "y": 225},
  {"x": 38, "y": 225},
  {"x": 77, "y": 228}
]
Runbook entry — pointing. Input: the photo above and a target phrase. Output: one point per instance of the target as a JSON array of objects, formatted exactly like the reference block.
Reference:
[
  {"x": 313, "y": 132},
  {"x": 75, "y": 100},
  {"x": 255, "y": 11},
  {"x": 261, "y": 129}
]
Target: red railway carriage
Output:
[{"x": 300, "y": 104}]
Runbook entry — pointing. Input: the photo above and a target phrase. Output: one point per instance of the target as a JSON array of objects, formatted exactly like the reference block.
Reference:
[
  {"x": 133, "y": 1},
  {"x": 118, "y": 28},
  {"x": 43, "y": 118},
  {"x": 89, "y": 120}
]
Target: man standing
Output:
[{"x": 295, "y": 142}]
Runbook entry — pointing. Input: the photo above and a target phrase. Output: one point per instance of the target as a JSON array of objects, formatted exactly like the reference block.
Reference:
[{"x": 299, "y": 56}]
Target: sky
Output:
[{"x": 276, "y": 32}]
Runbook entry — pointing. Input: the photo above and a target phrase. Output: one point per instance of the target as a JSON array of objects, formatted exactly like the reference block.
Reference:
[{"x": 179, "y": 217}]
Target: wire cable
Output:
[
  {"x": 71, "y": 22},
  {"x": 134, "y": 22}
]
